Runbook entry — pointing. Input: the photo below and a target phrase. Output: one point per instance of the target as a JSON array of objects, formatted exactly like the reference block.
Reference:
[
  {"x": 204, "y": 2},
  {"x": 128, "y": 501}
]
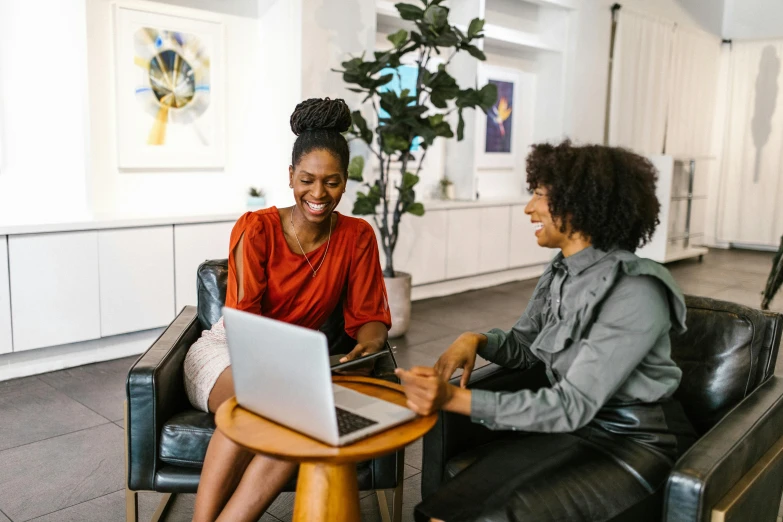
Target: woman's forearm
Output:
[
  {"x": 459, "y": 401},
  {"x": 372, "y": 336}
]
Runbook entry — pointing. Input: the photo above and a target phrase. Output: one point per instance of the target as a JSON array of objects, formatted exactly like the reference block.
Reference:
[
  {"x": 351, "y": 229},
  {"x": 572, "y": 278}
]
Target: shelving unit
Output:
[{"x": 682, "y": 195}]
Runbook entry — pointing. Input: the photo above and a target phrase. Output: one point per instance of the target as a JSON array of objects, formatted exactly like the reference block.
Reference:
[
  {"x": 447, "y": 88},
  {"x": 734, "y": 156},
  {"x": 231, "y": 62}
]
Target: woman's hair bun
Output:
[{"x": 318, "y": 113}]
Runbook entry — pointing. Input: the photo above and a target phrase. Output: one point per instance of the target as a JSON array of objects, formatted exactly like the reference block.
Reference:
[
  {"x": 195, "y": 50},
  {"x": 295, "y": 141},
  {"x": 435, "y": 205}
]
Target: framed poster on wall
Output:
[
  {"x": 170, "y": 88},
  {"x": 506, "y": 130}
]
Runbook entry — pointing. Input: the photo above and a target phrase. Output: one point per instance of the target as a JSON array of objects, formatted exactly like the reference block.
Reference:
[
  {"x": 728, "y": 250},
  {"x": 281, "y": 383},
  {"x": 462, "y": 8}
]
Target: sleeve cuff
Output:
[
  {"x": 495, "y": 338},
  {"x": 482, "y": 407}
]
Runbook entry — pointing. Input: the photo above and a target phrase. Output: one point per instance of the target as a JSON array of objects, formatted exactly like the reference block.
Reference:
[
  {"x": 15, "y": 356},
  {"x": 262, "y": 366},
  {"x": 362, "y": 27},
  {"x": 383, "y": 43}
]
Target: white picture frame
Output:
[
  {"x": 519, "y": 126},
  {"x": 160, "y": 128}
]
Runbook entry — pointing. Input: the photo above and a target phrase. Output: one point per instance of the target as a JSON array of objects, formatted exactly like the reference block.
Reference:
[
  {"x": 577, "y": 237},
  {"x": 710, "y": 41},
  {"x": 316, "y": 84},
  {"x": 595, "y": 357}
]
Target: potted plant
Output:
[
  {"x": 256, "y": 198},
  {"x": 446, "y": 188},
  {"x": 406, "y": 118}
]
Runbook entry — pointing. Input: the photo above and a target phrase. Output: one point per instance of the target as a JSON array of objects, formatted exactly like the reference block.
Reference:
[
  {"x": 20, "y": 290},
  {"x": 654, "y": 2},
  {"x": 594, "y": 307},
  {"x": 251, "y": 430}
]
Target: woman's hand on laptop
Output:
[{"x": 427, "y": 392}]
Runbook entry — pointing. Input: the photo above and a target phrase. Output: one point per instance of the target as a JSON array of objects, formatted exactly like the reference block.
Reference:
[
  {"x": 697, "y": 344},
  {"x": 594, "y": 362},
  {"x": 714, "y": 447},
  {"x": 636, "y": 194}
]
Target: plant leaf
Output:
[
  {"x": 475, "y": 52},
  {"x": 355, "y": 168},
  {"x": 489, "y": 95},
  {"x": 363, "y": 206},
  {"x": 398, "y": 38},
  {"x": 436, "y": 16},
  {"x": 409, "y": 12},
  {"x": 417, "y": 209},
  {"x": 475, "y": 27},
  {"x": 409, "y": 180}
]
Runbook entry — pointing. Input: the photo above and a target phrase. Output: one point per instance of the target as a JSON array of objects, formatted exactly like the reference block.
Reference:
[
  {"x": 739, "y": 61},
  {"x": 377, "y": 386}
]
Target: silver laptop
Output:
[{"x": 282, "y": 373}]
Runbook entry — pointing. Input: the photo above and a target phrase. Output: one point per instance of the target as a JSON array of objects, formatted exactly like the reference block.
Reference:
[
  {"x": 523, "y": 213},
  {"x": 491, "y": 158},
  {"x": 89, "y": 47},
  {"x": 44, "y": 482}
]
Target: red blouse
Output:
[{"x": 278, "y": 283}]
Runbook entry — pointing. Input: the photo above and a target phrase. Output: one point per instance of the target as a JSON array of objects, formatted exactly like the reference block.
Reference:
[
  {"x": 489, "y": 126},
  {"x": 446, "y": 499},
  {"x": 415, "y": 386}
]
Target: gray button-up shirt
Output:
[{"x": 600, "y": 322}]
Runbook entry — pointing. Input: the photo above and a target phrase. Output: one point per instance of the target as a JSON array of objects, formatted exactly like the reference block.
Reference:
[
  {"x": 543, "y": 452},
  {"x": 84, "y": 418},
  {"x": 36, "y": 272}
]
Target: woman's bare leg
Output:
[
  {"x": 260, "y": 485},
  {"x": 224, "y": 463}
]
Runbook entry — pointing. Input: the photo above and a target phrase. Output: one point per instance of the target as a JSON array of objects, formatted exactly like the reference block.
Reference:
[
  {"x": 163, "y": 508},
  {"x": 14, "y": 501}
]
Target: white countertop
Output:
[
  {"x": 109, "y": 221},
  {"x": 438, "y": 204},
  {"x": 74, "y": 223}
]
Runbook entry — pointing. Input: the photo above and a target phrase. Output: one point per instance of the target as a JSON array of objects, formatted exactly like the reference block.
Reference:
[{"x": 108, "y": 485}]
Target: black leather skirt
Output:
[{"x": 613, "y": 469}]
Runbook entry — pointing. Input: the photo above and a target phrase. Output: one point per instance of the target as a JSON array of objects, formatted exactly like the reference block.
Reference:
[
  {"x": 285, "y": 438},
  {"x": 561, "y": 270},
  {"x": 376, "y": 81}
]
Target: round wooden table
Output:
[{"x": 327, "y": 488}]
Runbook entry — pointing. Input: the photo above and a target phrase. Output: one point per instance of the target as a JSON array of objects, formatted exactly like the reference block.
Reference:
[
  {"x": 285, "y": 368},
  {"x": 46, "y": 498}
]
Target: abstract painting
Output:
[
  {"x": 505, "y": 132},
  {"x": 169, "y": 91},
  {"x": 498, "y": 129}
]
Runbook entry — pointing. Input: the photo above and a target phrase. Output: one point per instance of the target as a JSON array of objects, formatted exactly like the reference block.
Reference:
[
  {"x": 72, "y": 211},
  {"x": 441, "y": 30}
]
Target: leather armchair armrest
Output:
[
  {"x": 455, "y": 433},
  {"x": 155, "y": 391},
  {"x": 710, "y": 468}
]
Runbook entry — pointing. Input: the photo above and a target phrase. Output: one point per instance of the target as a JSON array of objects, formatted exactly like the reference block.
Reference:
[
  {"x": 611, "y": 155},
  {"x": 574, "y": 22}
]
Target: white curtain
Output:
[
  {"x": 751, "y": 192},
  {"x": 640, "y": 82},
  {"x": 694, "y": 75}
]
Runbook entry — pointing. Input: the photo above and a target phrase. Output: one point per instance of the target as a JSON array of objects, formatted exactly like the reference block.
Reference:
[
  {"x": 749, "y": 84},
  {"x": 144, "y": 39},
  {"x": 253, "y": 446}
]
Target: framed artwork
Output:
[
  {"x": 506, "y": 131},
  {"x": 170, "y": 89}
]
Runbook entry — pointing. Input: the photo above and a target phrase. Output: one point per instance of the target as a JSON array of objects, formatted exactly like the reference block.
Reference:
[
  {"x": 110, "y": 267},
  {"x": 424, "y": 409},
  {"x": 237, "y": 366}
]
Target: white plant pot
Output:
[{"x": 398, "y": 288}]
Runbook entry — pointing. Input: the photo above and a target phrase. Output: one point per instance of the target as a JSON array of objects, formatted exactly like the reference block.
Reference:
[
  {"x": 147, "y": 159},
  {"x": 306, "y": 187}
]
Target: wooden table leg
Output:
[{"x": 327, "y": 492}]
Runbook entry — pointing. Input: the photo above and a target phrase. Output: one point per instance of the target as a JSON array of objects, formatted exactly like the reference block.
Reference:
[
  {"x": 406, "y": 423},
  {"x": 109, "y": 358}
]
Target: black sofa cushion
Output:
[{"x": 720, "y": 358}]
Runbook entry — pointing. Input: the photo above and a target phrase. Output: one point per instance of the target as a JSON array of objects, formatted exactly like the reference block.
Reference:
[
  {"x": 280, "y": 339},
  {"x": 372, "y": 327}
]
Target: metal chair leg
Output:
[
  {"x": 131, "y": 506},
  {"x": 396, "y": 494},
  {"x": 163, "y": 506}
]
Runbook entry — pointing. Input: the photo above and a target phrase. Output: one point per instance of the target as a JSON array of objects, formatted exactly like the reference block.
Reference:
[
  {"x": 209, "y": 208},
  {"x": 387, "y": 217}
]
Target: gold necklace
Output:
[{"x": 315, "y": 270}]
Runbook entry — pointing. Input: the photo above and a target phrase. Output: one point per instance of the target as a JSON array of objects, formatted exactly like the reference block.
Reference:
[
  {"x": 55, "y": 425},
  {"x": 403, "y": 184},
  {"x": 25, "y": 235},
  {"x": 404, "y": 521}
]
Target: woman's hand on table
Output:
[{"x": 427, "y": 392}]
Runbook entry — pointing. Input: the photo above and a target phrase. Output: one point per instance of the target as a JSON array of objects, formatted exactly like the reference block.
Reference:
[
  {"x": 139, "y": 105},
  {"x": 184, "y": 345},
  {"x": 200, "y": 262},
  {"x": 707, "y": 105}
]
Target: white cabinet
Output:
[
  {"x": 493, "y": 240},
  {"x": 137, "y": 279},
  {"x": 463, "y": 242},
  {"x": 54, "y": 289},
  {"x": 194, "y": 244},
  {"x": 6, "y": 343},
  {"x": 523, "y": 246},
  {"x": 421, "y": 248}
]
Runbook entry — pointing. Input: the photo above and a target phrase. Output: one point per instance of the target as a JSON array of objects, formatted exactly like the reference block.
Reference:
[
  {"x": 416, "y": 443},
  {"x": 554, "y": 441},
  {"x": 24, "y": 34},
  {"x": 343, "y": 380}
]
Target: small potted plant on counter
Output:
[{"x": 256, "y": 198}]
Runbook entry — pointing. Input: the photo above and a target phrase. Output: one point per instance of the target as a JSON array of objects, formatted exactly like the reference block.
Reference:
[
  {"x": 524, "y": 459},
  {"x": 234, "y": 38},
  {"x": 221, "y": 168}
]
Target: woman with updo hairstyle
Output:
[{"x": 294, "y": 265}]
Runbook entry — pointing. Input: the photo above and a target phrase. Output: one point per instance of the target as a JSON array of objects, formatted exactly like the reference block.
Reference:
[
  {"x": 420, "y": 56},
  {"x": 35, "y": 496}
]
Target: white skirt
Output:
[{"x": 205, "y": 361}]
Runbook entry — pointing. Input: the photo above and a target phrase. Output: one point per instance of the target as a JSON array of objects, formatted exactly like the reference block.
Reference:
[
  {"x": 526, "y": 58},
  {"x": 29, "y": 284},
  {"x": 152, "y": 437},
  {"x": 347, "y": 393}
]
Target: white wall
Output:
[
  {"x": 753, "y": 19},
  {"x": 43, "y": 106},
  {"x": 589, "y": 54},
  {"x": 262, "y": 79}
]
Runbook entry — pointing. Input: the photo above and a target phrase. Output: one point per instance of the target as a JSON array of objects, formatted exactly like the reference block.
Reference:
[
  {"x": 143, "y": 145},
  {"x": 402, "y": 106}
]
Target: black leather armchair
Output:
[
  {"x": 166, "y": 439},
  {"x": 733, "y": 472}
]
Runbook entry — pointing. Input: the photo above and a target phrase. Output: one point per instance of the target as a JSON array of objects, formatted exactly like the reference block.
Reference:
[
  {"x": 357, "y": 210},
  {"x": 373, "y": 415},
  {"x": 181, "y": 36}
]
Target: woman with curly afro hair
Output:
[{"x": 598, "y": 441}]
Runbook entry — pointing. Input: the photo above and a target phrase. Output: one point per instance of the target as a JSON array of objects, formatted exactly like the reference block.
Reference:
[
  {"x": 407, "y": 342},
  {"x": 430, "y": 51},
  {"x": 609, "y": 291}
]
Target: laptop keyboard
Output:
[{"x": 348, "y": 422}]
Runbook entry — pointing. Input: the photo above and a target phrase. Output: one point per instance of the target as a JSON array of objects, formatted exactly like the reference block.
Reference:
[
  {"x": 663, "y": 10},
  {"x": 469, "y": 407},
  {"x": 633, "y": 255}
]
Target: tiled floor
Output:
[{"x": 61, "y": 439}]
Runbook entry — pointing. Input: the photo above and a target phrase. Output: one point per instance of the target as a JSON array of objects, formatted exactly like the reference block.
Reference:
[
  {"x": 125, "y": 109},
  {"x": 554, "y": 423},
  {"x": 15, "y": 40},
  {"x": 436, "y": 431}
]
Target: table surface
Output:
[{"x": 269, "y": 438}]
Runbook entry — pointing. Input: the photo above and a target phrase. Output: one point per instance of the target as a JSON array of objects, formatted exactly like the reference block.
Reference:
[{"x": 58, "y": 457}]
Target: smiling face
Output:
[
  {"x": 547, "y": 227},
  {"x": 318, "y": 182}
]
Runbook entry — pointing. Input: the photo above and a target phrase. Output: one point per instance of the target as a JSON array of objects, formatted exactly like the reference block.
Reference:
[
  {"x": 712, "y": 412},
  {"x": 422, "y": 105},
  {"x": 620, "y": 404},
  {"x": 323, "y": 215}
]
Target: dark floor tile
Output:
[
  {"x": 60, "y": 472},
  {"x": 370, "y": 512},
  {"x": 422, "y": 331},
  {"x": 100, "y": 387},
  {"x": 464, "y": 318},
  {"x": 413, "y": 454},
  {"x": 283, "y": 507},
  {"x": 101, "y": 509},
  {"x": 33, "y": 411},
  {"x": 409, "y": 357},
  {"x": 524, "y": 289},
  {"x": 699, "y": 288}
]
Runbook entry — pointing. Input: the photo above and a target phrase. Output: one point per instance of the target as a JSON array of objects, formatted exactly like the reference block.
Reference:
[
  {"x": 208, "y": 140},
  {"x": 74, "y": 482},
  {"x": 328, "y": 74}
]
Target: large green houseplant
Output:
[{"x": 409, "y": 118}]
